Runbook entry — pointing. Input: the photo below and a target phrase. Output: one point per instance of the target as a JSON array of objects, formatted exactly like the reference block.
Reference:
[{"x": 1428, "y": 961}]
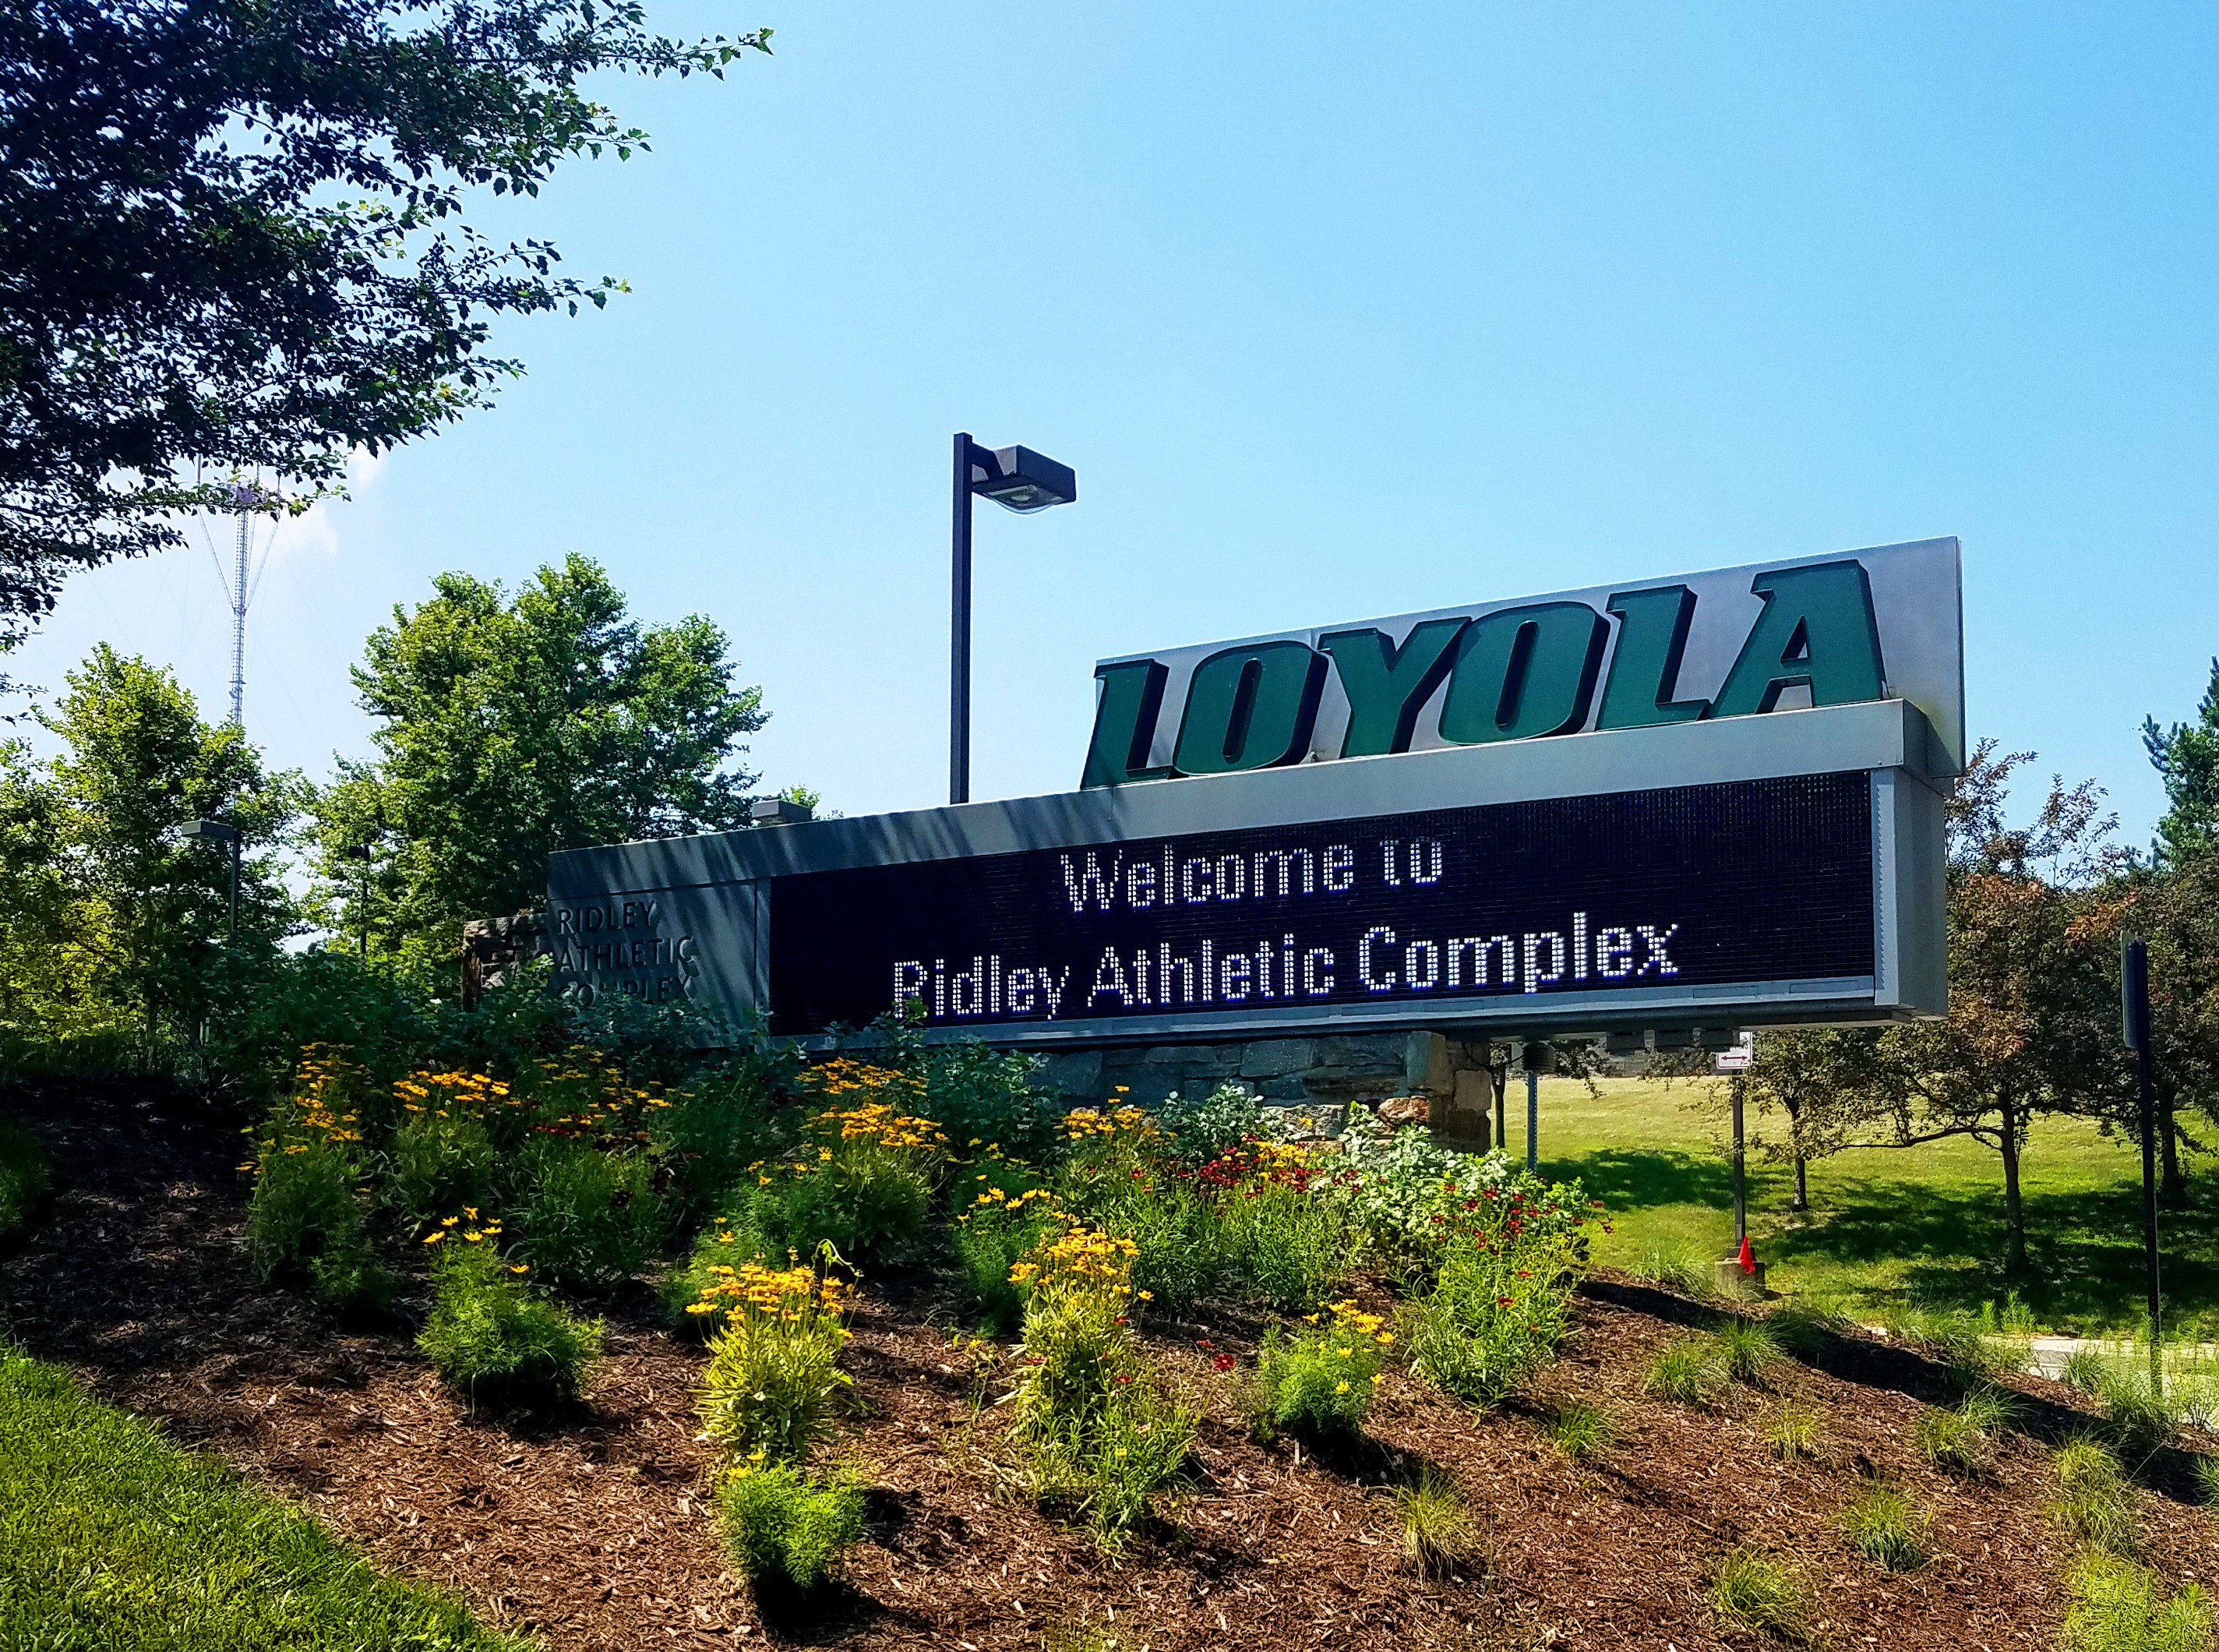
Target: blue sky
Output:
[{"x": 1336, "y": 314}]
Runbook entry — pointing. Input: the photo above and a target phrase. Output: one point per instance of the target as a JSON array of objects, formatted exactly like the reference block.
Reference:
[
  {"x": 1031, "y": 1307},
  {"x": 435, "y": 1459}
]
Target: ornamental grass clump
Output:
[
  {"x": 496, "y": 1342},
  {"x": 1438, "y": 1529},
  {"x": 2119, "y": 1607},
  {"x": 1762, "y": 1595},
  {"x": 1690, "y": 1370},
  {"x": 1794, "y": 1430},
  {"x": 1097, "y": 1423},
  {"x": 1502, "y": 1299},
  {"x": 2095, "y": 1505},
  {"x": 773, "y": 1366},
  {"x": 2138, "y": 1420},
  {"x": 1318, "y": 1383},
  {"x": 1962, "y": 1440},
  {"x": 1581, "y": 1430},
  {"x": 1885, "y": 1530},
  {"x": 1747, "y": 1349},
  {"x": 782, "y": 1526}
]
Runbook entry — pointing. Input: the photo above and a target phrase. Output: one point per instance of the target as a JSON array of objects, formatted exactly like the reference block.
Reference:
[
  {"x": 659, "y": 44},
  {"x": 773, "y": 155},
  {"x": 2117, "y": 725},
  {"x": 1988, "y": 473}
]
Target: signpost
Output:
[
  {"x": 1736, "y": 1063},
  {"x": 2134, "y": 1018}
]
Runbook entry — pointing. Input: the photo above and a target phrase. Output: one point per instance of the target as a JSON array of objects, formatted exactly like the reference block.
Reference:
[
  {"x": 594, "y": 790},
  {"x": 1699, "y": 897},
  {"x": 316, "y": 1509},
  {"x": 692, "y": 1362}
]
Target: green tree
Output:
[
  {"x": 2186, "y": 757},
  {"x": 2033, "y": 995},
  {"x": 110, "y": 915},
  {"x": 515, "y": 727},
  {"x": 233, "y": 239}
]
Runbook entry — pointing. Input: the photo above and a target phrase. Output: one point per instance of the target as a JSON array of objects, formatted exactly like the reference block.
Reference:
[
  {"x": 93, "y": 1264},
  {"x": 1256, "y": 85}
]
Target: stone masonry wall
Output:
[{"x": 1319, "y": 1077}]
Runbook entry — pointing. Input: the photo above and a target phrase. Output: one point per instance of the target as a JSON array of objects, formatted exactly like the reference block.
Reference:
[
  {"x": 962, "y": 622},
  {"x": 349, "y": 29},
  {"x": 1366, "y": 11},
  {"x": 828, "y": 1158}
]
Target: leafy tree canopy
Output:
[
  {"x": 107, "y": 915},
  {"x": 515, "y": 727},
  {"x": 231, "y": 240}
]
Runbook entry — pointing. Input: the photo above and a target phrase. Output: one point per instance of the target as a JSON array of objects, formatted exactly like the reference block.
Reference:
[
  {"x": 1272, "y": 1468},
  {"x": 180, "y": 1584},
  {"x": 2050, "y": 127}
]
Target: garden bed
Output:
[{"x": 594, "y": 1531}]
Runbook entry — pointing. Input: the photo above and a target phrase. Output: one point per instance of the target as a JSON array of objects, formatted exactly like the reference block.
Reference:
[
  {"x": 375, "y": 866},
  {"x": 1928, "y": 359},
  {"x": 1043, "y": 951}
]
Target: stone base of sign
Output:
[
  {"x": 1309, "y": 1083},
  {"x": 494, "y": 949},
  {"x": 1732, "y": 1281}
]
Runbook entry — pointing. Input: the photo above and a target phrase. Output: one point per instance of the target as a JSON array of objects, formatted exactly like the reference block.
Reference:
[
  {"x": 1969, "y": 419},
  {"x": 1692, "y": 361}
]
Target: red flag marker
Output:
[{"x": 1746, "y": 1256}]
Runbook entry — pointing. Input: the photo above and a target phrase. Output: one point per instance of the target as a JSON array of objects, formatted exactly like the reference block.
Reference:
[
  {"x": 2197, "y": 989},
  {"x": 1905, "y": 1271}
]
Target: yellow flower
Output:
[
  {"x": 431, "y": 1238},
  {"x": 1341, "y": 1388}
]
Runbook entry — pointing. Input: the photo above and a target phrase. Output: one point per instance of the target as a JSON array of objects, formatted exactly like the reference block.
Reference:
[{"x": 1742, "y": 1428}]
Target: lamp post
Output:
[
  {"x": 219, "y": 831},
  {"x": 1017, "y": 479}
]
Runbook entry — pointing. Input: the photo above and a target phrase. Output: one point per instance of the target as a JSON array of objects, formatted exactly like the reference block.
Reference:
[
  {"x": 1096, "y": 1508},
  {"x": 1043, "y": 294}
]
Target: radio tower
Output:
[{"x": 239, "y": 584}]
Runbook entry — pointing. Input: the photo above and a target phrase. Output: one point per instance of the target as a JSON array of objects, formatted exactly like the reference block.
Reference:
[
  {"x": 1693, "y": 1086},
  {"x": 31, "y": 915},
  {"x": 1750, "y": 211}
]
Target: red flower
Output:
[{"x": 1223, "y": 1363}]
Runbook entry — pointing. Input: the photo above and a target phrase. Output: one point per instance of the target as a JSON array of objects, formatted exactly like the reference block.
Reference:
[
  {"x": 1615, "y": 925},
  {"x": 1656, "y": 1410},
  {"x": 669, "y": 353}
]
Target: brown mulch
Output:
[{"x": 596, "y": 1533}]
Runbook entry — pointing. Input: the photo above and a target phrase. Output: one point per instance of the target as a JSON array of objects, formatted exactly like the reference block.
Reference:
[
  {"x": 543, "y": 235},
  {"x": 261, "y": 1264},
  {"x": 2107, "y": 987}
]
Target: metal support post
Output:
[{"x": 1740, "y": 1166}]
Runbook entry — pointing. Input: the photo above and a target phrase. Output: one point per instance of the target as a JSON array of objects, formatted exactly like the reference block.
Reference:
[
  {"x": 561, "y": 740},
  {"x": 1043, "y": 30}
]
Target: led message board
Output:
[
  {"x": 1751, "y": 881},
  {"x": 1780, "y": 869}
]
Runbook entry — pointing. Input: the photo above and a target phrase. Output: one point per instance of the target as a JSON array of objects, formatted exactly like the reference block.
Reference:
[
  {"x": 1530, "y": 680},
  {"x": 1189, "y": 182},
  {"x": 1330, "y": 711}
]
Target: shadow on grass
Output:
[{"x": 1948, "y": 1240}]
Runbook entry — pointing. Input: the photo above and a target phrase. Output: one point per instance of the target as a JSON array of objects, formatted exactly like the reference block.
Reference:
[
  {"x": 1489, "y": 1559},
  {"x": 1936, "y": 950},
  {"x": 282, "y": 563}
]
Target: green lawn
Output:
[
  {"x": 113, "y": 1540},
  {"x": 1887, "y": 1225}
]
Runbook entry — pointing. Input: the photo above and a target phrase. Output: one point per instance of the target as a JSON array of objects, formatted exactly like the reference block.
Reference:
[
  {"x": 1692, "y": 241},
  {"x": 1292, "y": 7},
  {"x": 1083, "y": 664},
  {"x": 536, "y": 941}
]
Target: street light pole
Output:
[
  {"x": 959, "y": 629},
  {"x": 1022, "y": 480},
  {"x": 222, "y": 832}
]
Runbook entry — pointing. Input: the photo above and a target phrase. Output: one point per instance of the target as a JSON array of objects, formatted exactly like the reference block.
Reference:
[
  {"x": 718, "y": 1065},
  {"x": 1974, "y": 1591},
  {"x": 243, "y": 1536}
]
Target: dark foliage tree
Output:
[{"x": 233, "y": 240}]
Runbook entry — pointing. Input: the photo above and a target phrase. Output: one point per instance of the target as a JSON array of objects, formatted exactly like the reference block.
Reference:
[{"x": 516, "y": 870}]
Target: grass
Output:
[
  {"x": 1887, "y": 1530},
  {"x": 1887, "y": 1225},
  {"x": 1764, "y": 1596},
  {"x": 110, "y": 1536},
  {"x": 1581, "y": 1430},
  {"x": 1439, "y": 1530},
  {"x": 26, "y": 1183}
]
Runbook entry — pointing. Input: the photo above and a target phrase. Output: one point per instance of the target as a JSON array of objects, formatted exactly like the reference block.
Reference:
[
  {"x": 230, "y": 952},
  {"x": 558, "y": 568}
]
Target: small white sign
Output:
[{"x": 1740, "y": 1058}]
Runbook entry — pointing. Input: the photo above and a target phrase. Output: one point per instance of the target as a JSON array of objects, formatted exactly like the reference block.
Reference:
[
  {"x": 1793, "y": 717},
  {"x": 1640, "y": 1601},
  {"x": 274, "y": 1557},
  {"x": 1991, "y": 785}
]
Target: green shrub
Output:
[
  {"x": 983, "y": 1096},
  {"x": 1756, "y": 1593},
  {"x": 1288, "y": 1247},
  {"x": 434, "y": 1165},
  {"x": 773, "y": 1368},
  {"x": 1182, "y": 1252},
  {"x": 1581, "y": 1430},
  {"x": 1208, "y": 1126},
  {"x": 1688, "y": 1369},
  {"x": 496, "y": 1343},
  {"x": 780, "y": 1526},
  {"x": 1794, "y": 1430},
  {"x": 1502, "y": 1301},
  {"x": 993, "y": 1235},
  {"x": 26, "y": 1183},
  {"x": 715, "y": 1126},
  {"x": 2207, "y": 1476},
  {"x": 722, "y": 1246},
  {"x": 1439, "y": 1530},
  {"x": 588, "y": 1221},
  {"x": 862, "y": 1177},
  {"x": 1747, "y": 1349},
  {"x": 1887, "y": 1530},
  {"x": 2118, "y": 1606},
  {"x": 1318, "y": 1384},
  {"x": 2094, "y": 1502},
  {"x": 305, "y": 1226},
  {"x": 1091, "y": 1415}
]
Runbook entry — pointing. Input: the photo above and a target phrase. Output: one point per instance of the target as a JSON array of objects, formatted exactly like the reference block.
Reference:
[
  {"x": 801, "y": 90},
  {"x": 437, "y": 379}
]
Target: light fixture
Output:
[{"x": 1022, "y": 480}]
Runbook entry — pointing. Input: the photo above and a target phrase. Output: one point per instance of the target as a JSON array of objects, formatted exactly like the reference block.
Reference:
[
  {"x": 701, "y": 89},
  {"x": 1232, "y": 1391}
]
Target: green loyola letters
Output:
[{"x": 1520, "y": 672}]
